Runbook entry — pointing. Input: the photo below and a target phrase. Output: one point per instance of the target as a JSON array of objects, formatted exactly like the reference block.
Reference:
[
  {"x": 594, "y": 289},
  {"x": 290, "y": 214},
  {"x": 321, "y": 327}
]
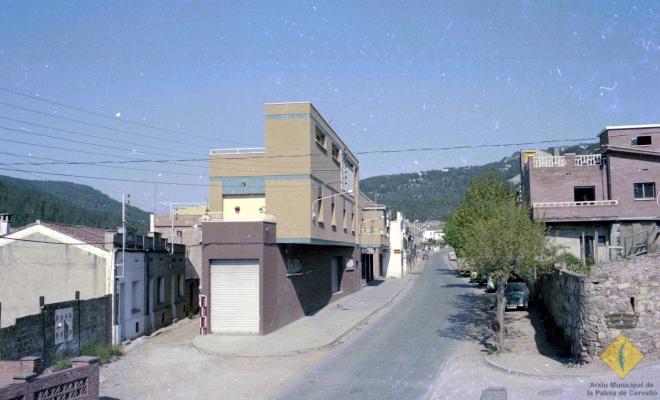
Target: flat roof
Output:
[{"x": 616, "y": 127}]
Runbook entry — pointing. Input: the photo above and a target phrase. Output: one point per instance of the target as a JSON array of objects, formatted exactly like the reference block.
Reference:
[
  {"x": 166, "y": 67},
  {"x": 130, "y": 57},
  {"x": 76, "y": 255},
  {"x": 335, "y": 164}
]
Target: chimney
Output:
[
  {"x": 152, "y": 222},
  {"x": 556, "y": 151},
  {"x": 5, "y": 224}
]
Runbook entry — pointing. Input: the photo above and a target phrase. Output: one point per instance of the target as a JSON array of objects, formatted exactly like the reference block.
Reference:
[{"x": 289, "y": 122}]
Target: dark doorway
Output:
[
  {"x": 380, "y": 264},
  {"x": 589, "y": 249},
  {"x": 584, "y": 193}
]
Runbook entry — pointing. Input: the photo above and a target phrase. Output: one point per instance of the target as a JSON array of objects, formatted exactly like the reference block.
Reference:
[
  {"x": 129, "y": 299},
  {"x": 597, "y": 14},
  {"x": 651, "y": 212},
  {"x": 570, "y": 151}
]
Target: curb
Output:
[
  {"x": 515, "y": 372},
  {"x": 403, "y": 289}
]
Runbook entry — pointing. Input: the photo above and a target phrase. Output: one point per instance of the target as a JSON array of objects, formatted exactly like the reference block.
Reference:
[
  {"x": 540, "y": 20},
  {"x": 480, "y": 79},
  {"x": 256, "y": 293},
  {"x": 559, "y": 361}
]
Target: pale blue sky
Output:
[{"x": 387, "y": 74}]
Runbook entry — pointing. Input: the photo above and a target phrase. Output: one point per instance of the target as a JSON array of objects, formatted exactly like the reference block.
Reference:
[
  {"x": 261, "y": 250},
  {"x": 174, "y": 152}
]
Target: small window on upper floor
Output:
[
  {"x": 335, "y": 152},
  {"x": 641, "y": 141},
  {"x": 320, "y": 137},
  {"x": 584, "y": 193},
  {"x": 644, "y": 191}
]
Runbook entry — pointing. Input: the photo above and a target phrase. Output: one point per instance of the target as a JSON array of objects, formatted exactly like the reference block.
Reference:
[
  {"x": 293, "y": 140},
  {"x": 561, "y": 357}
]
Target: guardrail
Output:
[
  {"x": 238, "y": 217},
  {"x": 552, "y": 204},
  {"x": 240, "y": 150},
  {"x": 582, "y": 160},
  {"x": 550, "y": 161},
  {"x": 587, "y": 159}
]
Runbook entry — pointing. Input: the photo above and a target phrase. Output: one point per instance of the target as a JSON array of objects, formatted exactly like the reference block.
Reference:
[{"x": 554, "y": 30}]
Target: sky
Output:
[{"x": 386, "y": 74}]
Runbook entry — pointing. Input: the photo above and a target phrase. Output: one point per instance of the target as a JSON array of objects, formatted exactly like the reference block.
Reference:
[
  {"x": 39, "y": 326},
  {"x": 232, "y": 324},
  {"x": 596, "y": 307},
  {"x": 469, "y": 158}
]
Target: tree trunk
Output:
[{"x": 499, "y": 314}]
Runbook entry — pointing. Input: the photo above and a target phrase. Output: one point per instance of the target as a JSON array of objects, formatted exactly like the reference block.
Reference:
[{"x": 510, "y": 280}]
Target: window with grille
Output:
[{"x": 644, "y": 190}]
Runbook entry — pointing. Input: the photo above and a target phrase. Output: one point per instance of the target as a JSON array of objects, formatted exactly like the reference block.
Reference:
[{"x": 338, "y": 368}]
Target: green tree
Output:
[{"x": 497, "y": 237}]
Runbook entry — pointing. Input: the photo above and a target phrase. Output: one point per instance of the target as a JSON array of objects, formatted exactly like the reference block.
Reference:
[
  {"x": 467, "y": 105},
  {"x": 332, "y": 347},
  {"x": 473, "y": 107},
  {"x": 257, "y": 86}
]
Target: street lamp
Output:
[{"x": 327, "y": 197}]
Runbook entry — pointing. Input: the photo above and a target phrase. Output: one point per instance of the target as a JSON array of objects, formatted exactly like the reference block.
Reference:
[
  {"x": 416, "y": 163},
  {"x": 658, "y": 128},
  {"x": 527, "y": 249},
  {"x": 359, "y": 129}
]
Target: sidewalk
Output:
[{"x": 309, "y": 333}]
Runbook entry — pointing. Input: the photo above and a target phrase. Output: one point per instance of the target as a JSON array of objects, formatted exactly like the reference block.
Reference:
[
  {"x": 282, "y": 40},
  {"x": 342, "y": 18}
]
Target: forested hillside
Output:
[
  {"x": 64, "y": 202},
  {"x": 434, "y": 194}
]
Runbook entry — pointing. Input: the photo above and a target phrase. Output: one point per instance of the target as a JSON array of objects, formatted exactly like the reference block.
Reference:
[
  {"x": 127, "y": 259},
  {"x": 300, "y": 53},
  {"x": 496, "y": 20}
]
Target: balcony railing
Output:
[
  {"x": 587, "y": 159},
  {"x": 553, "y": 204},
  {"x": 583, "y": 160},
  {"x": 240, "y": 217},
  {"x": 242, "y": 150},
  {"x": 550, "y": 161}
]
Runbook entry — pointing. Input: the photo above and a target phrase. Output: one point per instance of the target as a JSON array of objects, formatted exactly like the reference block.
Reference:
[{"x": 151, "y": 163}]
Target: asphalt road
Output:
[{"x": 399, "y": 355}]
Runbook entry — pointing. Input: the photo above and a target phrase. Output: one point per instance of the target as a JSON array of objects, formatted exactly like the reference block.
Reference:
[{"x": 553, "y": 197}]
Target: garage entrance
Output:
[{"x": 235, "y": 296}]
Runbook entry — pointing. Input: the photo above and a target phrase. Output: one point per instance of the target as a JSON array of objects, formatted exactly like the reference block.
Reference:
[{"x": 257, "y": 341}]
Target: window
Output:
[
  {"x": 135, "y": 297},
  {"x": 584, "y": 193},
  {"x": 640, "y": 140},
  {"x": 320, "y": 137},
  {"x": 179, "y": 236},
  {"x": 161, "y": 290},
  {"x": 602, "y": 240},
  {"x": 181, "y": 285},
  {"x": 332, "y": 213},
  {"x": 645, "y": 190},
  {"x": 319, "y": 205},
  {"x": 335, "y": 152},
  {"x": 348, "y": 176},
  {"x": 293, "y": 266},
  {"x": 343, "y": 218}
]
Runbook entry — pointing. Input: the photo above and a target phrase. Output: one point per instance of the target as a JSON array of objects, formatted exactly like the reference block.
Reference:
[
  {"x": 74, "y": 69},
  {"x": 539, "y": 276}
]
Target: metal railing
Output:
[
  {"x": 587, "y": 160},
  {"x": 238, "y": 217},
  {"x": 240, "y": 150},
  {"x": 552, "y": 204},
  {"x": 582, "y": 160},
  {"x": 549, "y": 161}
]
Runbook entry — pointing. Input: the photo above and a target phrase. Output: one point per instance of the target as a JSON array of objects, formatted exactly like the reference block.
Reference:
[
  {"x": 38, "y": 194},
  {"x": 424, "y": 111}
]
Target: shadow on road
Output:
[{"x": 471, "y": 321}]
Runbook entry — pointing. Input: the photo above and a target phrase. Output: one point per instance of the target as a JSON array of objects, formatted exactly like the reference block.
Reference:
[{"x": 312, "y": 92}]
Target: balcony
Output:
[
  {"x": 240, "y": 217},
  {"x": 576, "y": 203},
  {"x": 583, "y": 160},
  {"x": 558, "y": 211}
]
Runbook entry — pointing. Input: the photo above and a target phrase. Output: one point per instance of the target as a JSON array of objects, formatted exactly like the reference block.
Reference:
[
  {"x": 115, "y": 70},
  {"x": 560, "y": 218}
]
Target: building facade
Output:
[
  {"x": 598, "y": 206},
  {"x": 280, "y": 237},
  {"x": 397, "y": 266},
  {"x": 50, "y": 263},
  {"x": 374, "y": 240}
]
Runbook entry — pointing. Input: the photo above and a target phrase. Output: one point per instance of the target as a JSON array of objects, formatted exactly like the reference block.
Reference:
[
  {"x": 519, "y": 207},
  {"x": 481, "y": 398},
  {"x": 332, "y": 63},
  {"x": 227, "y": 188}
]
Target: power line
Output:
[
  {"x": 105, "y": 146},
  {"x": 471, "y": 146},
  {"x": 126, "y": 159},
  {"x": 90, "y": 135},
  {"x": 98, "y": 114},
  {"x": 64, "y": 162},
  {"x": 105, "y": 178},
  {"x": 99, "y": 126},
  {"x": 446, "y": 148}
]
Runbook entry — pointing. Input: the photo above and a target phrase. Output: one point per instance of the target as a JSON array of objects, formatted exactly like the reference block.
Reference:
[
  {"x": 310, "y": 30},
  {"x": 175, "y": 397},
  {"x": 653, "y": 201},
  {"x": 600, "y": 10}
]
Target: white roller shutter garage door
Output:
[{"x": 235, "y": 296}]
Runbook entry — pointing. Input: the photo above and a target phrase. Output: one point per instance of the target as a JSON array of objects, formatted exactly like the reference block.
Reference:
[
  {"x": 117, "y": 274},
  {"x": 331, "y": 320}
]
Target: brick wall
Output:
[
  {"x": 35, "y": 334},
  {"x": 580, "y": 305},
  {"x": 80, "y": 382}
]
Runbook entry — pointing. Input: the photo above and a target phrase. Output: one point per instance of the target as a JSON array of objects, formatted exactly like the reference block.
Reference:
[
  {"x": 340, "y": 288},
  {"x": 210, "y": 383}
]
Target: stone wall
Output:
[
  {"x": 35, "y": 334},
  {"x": 621, "y": 297}
]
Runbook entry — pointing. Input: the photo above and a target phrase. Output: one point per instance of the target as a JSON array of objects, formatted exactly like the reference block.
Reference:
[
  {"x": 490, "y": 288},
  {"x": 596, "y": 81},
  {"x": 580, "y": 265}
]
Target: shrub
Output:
[
  {"x": 105, "y": 352},
  {"x": 60, "y": 364},
  {"x": 574, "y": 264}
]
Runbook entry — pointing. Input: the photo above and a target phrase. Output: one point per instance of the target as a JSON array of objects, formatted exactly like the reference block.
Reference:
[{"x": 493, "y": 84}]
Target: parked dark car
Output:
[{"x": 517, "y": 295}]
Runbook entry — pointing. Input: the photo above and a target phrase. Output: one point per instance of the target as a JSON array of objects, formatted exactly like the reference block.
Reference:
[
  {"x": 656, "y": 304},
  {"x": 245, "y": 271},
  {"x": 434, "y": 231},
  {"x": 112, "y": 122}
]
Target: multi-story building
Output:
[
  {"x": 58, "y": 262},
  {"x": 603, "y": 205},
  {"x": 280, "y": 237},
  {"x": 183, "y": 225},
  {"x": 397, "y": 266},
  {"x": 374, "y": 239}
]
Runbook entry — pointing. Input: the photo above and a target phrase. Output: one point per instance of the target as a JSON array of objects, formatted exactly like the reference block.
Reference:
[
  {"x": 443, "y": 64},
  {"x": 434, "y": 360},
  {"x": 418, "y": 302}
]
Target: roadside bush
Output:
[
  {"x": 574, "y": 264},
  {"x": 105, "y": 352},
  {"x": 61, "y": 364}
]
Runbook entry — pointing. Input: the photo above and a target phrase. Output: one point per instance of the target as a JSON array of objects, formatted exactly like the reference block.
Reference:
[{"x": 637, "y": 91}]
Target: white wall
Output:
[
  {"x": 396, "y": 259},
  {"x": 134, "y": 271}
]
